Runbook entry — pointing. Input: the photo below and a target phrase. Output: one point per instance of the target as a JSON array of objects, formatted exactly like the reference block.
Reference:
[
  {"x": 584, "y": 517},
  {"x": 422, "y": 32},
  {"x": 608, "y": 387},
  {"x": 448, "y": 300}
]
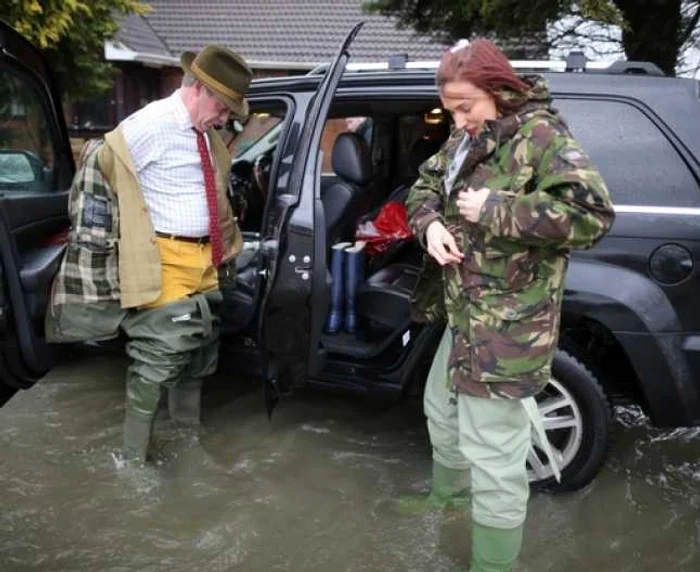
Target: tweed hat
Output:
[{"x": 224, "y": 72}]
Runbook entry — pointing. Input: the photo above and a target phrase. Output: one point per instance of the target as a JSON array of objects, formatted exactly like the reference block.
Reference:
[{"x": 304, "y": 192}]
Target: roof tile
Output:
[{"x": 292, "y": 31}]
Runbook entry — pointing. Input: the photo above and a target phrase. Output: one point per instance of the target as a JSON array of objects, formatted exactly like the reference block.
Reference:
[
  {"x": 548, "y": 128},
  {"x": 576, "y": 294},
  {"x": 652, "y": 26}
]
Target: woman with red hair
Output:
[{"x": 498, "y": 210}]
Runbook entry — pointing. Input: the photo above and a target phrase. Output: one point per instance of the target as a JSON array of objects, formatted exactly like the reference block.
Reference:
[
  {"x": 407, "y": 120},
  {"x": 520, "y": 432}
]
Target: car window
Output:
[
  {"x": 257, "y": 130},
  {"x": 334, "y": 127},
  {"x": 26, "y": 148},
  {"x": 254, "y": 149},
  {"x": 638, "y": 163},
  {"x": 420, "y": 136}
]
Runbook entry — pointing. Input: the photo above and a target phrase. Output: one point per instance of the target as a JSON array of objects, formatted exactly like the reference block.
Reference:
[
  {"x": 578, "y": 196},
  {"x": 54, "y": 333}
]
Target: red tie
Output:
[{"x": 210, "y": 187}]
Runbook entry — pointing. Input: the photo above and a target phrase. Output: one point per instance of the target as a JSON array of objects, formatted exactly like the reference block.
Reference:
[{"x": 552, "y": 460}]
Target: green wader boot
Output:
[
  {"x": 169, "y": 344},
  {"x": 137, "y": 436},
  {"x": 495, "y": 549},
  {"x": 185, "y": 396},
  {"x": 448, "y": 491},
  {"x": 185, "y": 403}
]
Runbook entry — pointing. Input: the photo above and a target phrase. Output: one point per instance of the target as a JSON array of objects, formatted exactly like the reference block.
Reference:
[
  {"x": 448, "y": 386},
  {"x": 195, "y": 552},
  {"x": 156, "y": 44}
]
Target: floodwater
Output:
[{"x": 314, "y": 489}]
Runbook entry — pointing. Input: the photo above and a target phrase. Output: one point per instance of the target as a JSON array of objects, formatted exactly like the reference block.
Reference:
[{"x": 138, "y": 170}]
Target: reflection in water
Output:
[{"x": 314, "y": 489}]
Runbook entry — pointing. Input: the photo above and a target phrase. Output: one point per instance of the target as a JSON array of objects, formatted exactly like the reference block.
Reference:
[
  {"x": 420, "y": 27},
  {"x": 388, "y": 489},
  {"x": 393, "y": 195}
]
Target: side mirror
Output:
[{"x": 19, "y": 167}]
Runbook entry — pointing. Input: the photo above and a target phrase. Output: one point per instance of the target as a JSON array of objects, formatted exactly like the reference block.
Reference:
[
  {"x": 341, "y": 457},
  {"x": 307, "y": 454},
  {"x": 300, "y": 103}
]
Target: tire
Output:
[{"x": 579, "y": 424}]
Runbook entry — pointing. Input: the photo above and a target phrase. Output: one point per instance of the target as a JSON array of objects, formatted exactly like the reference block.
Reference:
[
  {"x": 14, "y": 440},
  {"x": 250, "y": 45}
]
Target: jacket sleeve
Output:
[
  {"x": 569, "y": 207},
  {"x": 424, "y": 203}
]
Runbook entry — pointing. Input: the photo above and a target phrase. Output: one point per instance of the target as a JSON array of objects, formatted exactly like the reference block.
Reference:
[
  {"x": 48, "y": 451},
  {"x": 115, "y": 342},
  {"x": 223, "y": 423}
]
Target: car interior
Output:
[{"x": 371, "y": 154}]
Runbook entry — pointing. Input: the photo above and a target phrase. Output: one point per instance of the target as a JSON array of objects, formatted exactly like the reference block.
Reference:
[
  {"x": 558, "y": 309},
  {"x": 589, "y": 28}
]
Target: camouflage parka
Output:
[{"x": 503, "y": 301}]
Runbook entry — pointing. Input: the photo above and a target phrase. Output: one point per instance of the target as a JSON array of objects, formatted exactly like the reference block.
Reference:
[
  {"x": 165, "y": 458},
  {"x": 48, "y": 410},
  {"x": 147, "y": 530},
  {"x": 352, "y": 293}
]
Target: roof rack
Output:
[{"x": 575, "y": 62}]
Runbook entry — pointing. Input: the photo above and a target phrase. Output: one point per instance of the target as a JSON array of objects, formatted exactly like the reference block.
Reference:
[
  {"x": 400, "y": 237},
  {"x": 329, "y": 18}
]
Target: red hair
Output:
[{"x": 484, "y": 65}]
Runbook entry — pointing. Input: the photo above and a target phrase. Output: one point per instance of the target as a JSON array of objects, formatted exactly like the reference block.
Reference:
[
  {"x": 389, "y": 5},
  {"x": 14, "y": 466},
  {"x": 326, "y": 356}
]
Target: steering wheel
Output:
[
  {"x": 241, "y": 187},
  {"x": 262, "y": 166},
  {"x": 249, "y": 182}
]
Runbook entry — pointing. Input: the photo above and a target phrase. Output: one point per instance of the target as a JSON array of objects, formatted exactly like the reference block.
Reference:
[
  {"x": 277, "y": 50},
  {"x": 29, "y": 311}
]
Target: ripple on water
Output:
[{"x": 313, "y": 429}]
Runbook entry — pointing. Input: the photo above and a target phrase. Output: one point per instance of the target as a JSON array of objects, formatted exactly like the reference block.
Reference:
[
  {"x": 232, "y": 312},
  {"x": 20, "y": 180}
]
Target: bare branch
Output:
[
  {"x": 692, "y": 24},
  {"x": 598, "y": 41}
]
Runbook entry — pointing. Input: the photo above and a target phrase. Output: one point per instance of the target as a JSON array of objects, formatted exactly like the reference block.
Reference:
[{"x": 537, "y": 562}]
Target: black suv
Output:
[{"x": 323, "y": 152}]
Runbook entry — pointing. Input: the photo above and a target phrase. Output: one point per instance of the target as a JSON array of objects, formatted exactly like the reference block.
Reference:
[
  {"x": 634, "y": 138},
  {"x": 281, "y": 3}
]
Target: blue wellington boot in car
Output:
[
  {"x": 335, "y": 316},
  {"x": 354, "y": 276}
]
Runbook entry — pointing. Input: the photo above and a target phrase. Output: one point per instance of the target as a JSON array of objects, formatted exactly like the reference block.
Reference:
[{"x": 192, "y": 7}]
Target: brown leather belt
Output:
[{"x": 195, "y": 239}]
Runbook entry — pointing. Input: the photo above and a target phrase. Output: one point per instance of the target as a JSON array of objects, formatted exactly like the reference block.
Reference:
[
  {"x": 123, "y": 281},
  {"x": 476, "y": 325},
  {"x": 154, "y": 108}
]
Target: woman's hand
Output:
[
  {"x": 441, "y": 244},
  {"x": 470, "y": 203}
]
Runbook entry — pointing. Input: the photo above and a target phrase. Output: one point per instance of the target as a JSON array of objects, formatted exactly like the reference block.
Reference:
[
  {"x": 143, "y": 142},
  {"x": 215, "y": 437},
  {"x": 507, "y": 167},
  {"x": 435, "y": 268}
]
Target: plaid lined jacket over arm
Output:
[
  {"x": 89, "y": 269},
  {"x": 84, "y": 302}
]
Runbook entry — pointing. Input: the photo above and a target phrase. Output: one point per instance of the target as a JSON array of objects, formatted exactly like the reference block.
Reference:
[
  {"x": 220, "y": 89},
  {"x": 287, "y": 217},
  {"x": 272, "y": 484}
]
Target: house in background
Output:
[{"x": 276, "y": 37}]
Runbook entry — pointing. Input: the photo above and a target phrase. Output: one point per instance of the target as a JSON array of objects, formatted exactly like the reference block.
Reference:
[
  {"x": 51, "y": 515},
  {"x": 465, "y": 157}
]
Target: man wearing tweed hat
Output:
[{"x": 152, "y": 224}]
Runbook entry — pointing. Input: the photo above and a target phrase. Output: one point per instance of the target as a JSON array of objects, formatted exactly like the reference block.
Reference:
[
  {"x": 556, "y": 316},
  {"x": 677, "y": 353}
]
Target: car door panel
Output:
[
  {"x": 294, "y": 242},
  {"x": 27, "y": 275},
  {"x": 36, "y": 168},
  {"x": 243, "y": 293}
]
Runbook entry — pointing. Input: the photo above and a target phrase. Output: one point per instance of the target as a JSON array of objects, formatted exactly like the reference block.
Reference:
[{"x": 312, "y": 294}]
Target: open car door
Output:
[
  {"x": 296, "y": 300},
  {"x": 36, "y": 169}
]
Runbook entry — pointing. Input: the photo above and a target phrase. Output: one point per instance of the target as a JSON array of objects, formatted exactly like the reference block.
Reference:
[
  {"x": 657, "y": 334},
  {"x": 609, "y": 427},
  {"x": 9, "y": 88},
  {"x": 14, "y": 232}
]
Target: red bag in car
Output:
[{"x": 389, "y": 226}]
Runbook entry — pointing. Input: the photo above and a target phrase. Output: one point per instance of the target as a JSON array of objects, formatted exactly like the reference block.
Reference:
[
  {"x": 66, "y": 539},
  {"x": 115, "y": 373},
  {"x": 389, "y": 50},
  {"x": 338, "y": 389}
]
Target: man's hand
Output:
[
  {"x": 441, "y": 244},
  {"x": 470, "y": 203}
]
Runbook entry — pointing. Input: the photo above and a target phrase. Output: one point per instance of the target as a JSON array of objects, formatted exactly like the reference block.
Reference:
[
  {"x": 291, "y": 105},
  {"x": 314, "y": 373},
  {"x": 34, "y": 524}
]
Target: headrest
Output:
[{"x": 351, "y": 159}]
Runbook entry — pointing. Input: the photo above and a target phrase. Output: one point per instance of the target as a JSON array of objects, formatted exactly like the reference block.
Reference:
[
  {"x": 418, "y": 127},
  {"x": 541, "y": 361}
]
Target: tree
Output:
[
  {"x": 72, "y": 33},
  {"x": 652, "y": 30}
]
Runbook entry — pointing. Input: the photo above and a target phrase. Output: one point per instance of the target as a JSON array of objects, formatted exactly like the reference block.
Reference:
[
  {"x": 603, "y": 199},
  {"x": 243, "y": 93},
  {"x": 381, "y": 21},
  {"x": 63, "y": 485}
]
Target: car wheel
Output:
[{"x": 577, "y": 418}]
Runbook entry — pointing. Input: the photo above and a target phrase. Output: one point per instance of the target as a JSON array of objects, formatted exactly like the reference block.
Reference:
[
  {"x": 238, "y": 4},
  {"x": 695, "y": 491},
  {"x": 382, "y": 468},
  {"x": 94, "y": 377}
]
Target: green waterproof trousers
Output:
[
  {"x": 171, "y": 347},
  {"x": 488, "y": 437}
]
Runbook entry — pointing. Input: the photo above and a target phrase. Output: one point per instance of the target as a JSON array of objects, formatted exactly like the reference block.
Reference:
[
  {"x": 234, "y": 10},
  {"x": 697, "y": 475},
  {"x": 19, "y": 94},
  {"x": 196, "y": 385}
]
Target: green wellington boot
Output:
[
  {"x": 448, "y": 491},
  {"x": 495, "y": 549}
]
